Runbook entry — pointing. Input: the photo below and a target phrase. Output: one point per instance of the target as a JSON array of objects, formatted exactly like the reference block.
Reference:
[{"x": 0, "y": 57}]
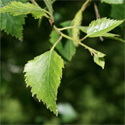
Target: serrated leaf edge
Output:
[
  {"x": 56, "y": 113},
  {"x": 89, "y": 35},
  {"x": 21, "y": 39}
]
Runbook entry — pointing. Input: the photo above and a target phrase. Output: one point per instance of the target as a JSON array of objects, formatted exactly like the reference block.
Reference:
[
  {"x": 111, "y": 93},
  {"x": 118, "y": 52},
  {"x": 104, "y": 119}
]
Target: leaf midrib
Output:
[{"x": 48, "y": 73}]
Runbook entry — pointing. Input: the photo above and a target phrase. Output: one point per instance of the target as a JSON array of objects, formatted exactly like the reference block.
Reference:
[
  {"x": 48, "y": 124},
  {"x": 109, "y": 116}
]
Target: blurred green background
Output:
[{"x": 87, "y": 95}]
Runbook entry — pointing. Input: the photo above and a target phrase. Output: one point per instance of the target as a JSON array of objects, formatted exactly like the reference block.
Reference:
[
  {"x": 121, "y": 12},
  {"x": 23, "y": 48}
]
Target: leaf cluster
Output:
[{"x": 43, "y": 74}]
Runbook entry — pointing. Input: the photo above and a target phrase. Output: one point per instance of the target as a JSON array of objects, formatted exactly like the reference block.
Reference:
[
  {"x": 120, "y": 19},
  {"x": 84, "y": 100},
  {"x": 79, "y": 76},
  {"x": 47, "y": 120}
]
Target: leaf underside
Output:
[
  {"x": 43, "y": 75},
  {"x": 16, "y": 27}
]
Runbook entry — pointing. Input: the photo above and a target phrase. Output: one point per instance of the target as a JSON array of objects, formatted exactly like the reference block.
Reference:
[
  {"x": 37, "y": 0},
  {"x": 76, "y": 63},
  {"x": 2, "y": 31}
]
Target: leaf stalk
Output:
[
  {"x": 85, "y": 5},
  {"x": 68, "y": 27},
  {"x": 56, "y": 43},
  {"x": 83, "y": 38},
  {"x": 35, "y": 3}
]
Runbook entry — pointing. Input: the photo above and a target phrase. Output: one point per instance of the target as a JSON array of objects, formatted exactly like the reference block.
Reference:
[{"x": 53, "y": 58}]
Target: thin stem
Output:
[
  {"x": 92, "y": 51},
  {"x": 97, "y": 16},
  {"x": 68, "y": 37},
  {"x": 83, "y": 38},
  {"x": 56, "y": 29},
  {"x": 35, "y": 3},
  {"x": 46, "y": 12},
  {"x": 56, "y": 43},
  {"x": 65, "y": 28},
  {"x": 62, "y": 34},
  {"x": 85, "y": 5},
  {"x": 84, "y": 45},
  {"x": 96, "y": 11},
  {"x": 46, "y": 16}
]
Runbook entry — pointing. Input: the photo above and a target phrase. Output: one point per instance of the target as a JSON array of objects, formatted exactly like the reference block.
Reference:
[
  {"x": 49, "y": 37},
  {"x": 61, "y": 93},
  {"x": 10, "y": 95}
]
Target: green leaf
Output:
[
  {"x": 113, "y": 36},
  {"x": 54, "y": 36},
  {"x": 99, "y": 59},
  {"x": 102, "y": 26},
  {"x": 110, "y": 35},
  {"x": 107, "y": 35},
  {"x": 43, "y": 75},
  {"x": 69, "y": 48},
  {"x": 117, "y": 11},
  {"x": 83, "y": 28},
  {"x": 113, "y": 1},
  {"x": 49, "y": 6},
  {"x": 19, "y": 8},
  {"x": 16, "y": 27},
  {"x": 65, "y": 47}
]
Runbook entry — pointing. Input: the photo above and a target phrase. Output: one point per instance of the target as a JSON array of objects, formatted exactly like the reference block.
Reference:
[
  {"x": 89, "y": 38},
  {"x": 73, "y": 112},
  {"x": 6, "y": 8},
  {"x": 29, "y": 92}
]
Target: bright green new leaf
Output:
[
  {"x": 65, "y": 47},
  {"x": 16, "y": 27},
  {"x": 107, "y": 35},
  {"x": 113, "y": 1},
  {"x": 19, "y": 8},
  {"x": 85, "y": 28},
  {"x": 43, "y": 75},
  {"x": 100, "y": 55},
  {"x": 99, "y": 59},
  {"x": 101, "y": 26}
]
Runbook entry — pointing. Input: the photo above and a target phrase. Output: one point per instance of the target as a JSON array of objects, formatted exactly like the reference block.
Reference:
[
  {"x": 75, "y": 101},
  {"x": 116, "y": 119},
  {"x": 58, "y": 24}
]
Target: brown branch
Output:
[
  {"x": 97, "y": 16},
  {"x": 85, "y": 5}
]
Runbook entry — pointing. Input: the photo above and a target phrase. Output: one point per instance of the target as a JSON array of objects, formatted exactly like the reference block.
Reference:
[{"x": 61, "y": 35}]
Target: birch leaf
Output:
[
  {"x": 101, "y": 26},
  {"x": 43, "y": 75}
]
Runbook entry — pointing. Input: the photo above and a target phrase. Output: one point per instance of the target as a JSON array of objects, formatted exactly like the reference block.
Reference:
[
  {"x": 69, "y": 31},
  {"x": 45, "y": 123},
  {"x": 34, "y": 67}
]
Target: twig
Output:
[
  {"x": 92, "y": 51},
  {"x": 34, "y": 2},
  {"x": 83, "y": 38},
  {"x": 85, "y": 5},
  {"x": 96, "y": 11},
  {"x": 56, "y": 43},
  {"x": 97, "y": 16},
  {"x": 68, "y": 27}
]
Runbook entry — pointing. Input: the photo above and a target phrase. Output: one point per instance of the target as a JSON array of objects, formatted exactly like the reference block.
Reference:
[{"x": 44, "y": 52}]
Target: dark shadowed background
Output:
[{"x": 87, "y": 95}]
